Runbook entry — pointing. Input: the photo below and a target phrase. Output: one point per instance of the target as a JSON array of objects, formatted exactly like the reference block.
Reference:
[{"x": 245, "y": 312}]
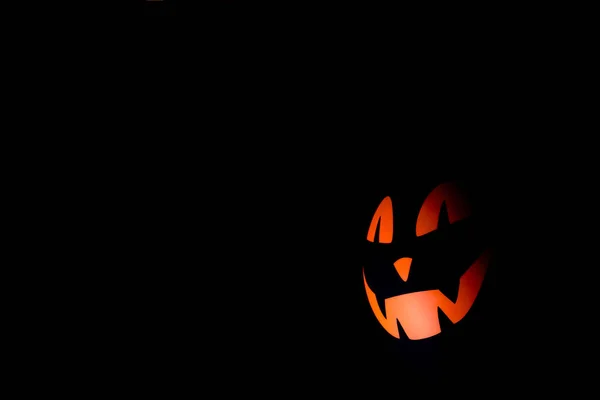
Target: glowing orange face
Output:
[{"x": 417, "y": 312}]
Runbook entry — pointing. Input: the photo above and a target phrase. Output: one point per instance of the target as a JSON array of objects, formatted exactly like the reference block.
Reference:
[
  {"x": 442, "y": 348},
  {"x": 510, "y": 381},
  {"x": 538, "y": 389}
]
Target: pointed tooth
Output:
[
  {"x": 401, "y": 331},
  {"x": 445, "y": 322},
  {"x": 450, "y": 289},
  {"x": 381, "y": 303}
]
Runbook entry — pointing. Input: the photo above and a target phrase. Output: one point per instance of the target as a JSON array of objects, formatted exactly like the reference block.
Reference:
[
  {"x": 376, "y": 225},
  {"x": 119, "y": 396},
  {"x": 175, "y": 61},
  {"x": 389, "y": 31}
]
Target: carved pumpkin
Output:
[{"x": 414, "y": 310}]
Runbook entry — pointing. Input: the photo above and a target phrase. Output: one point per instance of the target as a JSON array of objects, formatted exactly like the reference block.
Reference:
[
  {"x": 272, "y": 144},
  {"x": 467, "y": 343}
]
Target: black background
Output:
[
  {"x": 256, "y": 264},
  {"x": 203, "y": 230},
  {"x": 253, "y": 223}
]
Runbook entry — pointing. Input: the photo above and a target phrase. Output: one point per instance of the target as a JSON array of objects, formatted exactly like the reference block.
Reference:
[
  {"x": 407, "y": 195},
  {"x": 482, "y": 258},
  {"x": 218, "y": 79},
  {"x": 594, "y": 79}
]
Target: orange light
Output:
[
  {"x": 384, "y": 217},
  {"x": 403, "y": 267},
  {"x": 417, "y": 312},
  {"x": 427, "y": 221}
]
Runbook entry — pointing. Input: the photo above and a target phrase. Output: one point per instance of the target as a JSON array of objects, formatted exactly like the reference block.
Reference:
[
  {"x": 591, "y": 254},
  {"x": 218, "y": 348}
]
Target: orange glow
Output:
[
  {"x": 418, "y": 312},
  {"x": 402, "y": 267},
  {"x": 384, "y": 217},
  {"x": 427, "y": 221}
]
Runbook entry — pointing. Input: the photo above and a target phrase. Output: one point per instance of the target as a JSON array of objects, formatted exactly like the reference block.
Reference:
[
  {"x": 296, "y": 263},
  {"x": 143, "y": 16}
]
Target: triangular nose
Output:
[{"x": 402, "y": 267}]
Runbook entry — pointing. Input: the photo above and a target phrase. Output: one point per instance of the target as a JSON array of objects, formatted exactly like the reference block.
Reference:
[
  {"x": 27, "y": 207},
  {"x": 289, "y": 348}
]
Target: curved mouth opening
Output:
[{"x": 417, "y": 312}]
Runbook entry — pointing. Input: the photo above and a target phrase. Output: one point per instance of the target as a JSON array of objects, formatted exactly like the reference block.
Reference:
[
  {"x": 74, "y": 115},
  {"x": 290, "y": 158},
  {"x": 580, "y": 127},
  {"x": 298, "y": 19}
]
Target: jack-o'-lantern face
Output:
[{"x": 440, "y": 269}]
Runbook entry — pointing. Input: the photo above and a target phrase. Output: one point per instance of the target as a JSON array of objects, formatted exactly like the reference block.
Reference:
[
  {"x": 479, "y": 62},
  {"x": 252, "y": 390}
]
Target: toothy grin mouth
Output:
[
  {"x": 417, "y": 312},
  {"x": 449, "y": 289}
]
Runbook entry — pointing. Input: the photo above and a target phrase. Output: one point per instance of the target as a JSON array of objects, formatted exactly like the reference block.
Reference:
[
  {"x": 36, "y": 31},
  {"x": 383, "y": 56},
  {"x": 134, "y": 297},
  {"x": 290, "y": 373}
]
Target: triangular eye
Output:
[
  {"x": 445, "y": 196},
  {"x": 384, "y": 219}
]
